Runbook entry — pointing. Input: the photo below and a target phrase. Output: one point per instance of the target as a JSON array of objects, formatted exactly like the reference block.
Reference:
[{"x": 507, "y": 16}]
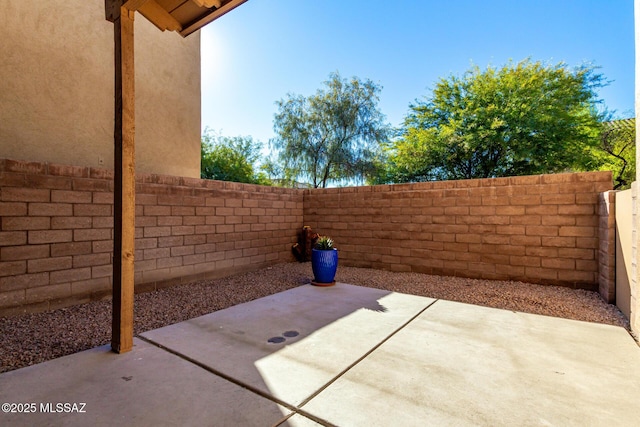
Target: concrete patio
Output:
[{"x": 348, "y": 356}]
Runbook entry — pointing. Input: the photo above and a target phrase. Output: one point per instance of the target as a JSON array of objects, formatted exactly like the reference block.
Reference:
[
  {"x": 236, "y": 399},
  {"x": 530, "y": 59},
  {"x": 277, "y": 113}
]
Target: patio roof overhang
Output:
[{"x": 185, "y": 17}]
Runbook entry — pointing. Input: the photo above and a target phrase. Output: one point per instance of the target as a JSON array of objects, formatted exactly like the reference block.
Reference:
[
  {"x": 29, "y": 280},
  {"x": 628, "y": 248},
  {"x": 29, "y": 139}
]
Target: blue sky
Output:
[{"x": 264, "y": 49}]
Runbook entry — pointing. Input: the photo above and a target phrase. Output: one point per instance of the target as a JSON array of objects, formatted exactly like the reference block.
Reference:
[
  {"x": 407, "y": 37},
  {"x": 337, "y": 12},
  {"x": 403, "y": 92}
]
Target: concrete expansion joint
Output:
[
  {"x": 323, "y": 422},
  {"x": 216, "y": 372},
  {"x": 293, "y": 408},
  {"x": 364, "y": 356}
]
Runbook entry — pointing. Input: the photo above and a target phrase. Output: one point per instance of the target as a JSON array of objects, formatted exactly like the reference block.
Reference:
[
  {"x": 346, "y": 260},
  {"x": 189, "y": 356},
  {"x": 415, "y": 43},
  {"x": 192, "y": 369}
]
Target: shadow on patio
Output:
[
  {"x": 345, "y": 355},
  {"x": 322, "y": 332}
]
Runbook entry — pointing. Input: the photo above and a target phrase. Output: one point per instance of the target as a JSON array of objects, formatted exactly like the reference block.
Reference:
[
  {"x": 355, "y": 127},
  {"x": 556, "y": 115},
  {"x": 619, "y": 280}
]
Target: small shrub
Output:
[{"x": 324, "y": 243}]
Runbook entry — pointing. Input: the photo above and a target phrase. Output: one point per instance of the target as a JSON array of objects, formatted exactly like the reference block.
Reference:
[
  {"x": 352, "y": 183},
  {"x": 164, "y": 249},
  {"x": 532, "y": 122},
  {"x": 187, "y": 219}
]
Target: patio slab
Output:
[
  {"x": 145, "y": 387},
  {"x": 349, "y": 356},
  {"x": 461, "y": 364},
  {"x": 322, "y": 331}
]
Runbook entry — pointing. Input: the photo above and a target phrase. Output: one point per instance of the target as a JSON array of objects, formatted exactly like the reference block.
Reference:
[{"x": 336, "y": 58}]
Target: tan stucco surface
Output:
[
  {"x": 635, "y": 280},
  {"x": 56, "y": 81}
]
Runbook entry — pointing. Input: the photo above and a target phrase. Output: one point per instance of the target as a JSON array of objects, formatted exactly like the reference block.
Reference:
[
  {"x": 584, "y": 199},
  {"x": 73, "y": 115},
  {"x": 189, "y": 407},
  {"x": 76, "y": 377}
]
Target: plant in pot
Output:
[{"x": 324, "y": 262}]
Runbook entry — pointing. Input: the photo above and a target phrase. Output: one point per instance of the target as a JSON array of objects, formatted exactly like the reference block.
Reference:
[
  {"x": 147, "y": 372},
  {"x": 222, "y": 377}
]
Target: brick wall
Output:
[
  {"x": 56, "y": 231},
  {"x": 606, "y": 246},
  {"x": 541, "y": 229}
]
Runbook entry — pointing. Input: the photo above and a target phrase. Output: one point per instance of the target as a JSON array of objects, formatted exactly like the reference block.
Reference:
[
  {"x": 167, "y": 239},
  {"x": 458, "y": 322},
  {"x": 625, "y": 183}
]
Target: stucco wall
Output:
[
  {"x": 634, "y": 288},
  {"x": 56, "y": 81},
  {"x": 635, "y": 271}
]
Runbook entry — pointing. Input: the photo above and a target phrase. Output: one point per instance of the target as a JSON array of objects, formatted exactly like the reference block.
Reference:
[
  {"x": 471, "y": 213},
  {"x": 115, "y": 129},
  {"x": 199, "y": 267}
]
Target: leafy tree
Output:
[
  {"x": 230, "y": 158},
  {"x": 521, "y": 119},
  {"x": 617, "y": 151},
  {"x": 332, "y": 136}
]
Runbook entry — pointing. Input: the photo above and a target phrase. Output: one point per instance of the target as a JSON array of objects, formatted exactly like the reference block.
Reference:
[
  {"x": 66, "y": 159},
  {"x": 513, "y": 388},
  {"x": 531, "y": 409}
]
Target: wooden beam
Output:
[
  {"x": 208, "y": 3},
  {"x": 215, "y": 14},
  {"x": 124, "y": 191},
  {"x": 112, "y": 9},
  {"x": 134, "y": 4},
  {"x": 158, "y": 15}
]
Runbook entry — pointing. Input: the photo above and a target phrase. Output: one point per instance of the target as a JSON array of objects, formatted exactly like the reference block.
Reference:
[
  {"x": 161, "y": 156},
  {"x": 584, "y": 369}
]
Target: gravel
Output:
[{"x": 34, "y": 338}]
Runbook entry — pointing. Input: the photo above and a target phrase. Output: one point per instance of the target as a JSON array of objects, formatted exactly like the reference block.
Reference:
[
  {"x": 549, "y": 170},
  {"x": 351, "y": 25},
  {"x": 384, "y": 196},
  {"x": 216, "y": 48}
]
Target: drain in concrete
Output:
[{"x": 288, "y": 334}]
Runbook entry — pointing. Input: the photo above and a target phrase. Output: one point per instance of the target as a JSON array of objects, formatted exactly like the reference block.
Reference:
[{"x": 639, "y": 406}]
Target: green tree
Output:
[
  {"x": 230, "y": 158},
  {"x": 332, "y": 136},
  {"x": 617, "y": 151},
  {"x": 521, "y": 119}
]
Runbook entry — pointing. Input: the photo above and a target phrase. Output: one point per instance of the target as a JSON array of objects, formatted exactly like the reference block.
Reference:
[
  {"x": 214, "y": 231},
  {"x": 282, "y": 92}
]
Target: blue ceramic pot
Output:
[{"x": 324, "y": 265}]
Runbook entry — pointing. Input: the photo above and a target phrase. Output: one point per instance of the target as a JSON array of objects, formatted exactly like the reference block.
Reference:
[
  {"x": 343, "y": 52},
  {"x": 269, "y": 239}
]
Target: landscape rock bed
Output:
[{"x": 34, "y": 338}]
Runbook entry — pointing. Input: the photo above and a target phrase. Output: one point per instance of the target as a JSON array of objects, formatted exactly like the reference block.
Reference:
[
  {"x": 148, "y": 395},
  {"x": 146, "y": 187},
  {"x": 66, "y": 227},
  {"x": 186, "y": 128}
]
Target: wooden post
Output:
[{"x": 124, "y": 170}]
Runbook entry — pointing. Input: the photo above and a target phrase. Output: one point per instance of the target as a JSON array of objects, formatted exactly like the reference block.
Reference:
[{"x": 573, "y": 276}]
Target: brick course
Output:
[
  {"x": 56, "y": 231},
  {"x": 606, "y": 256},
  {"x": 543, "y": 229}
]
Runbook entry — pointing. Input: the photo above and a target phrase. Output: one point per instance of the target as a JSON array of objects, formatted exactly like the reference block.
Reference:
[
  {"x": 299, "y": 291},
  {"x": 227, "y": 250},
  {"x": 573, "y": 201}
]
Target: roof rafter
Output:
[
  {"x": 207, "y": 18},
  {"x": 208, "y": 3},
  {"x": 183, "y": 16},
  {"x": 157, "y": 15}
]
